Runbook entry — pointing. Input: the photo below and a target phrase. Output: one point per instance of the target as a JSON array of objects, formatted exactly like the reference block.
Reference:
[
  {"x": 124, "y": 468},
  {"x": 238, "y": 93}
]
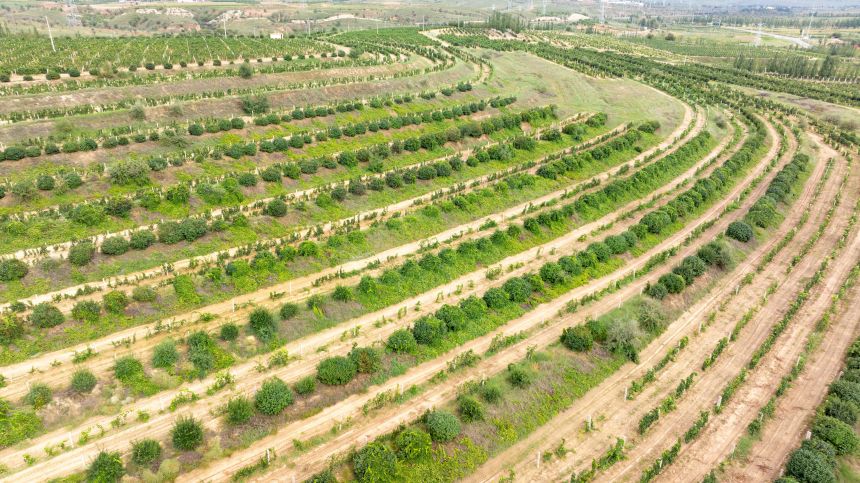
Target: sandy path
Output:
[
  {"x": 388, "y": 419},
  {"x": 248, "y": 377}
]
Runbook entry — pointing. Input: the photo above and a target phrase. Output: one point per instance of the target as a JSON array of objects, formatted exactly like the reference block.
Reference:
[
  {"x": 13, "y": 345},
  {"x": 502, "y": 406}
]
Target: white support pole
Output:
[{"x": 51, "y": 35}]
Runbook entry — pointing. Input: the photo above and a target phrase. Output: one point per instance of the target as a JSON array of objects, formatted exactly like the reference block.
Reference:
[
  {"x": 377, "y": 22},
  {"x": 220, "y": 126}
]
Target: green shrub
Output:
[
  {"x": 262, "y": 324},
  {"x": 740, "y": 231},
  {"x": 38, "y": 396},
  {"x": 496, "y": 298},
  {"x": 844, "y": 411},
  {"x": 165, "y": 355},
  {"x": 115, "y": 245},
  {"x": 276, "y": 208},
  {"x": 45, "y": 316},
  {"x": 288, "y": 311},
  {"x": 142, "y": 239},
  {"x": 491, "y": 392},
  {"x": 429, "y": 330},
  {"x": 374, "y": 463},
  {"x": 229, "y": 332},
  {"x": 809, "y": 466},
  {"x": 835, "y": 432},
  {"x": 657, "y": 291},
  {"x": 402, "y": 341},
  {"x": 470, "y": 408},
  {"x": 518, "y": 289},
  {"x": 144, "y": 293},
  {"x": 577, "y": 338},
  {"x": 86, "y": 311},
  {"x": 239, "y": 410},
  {"x": 673, "y": 282},
  {"x": 12, "y": 269},
  {"x": 83, "y": 381},
  {"x": 413, "y": 444},
  {"x": 342, "y": 294},
  {"x": 442, "y": 425},
  {"x": 127, "y": 369},
  {"x": 519, "y": 375},
  {"x": 145, "y": 452},
  {"x": 187, "y": 434},
  {"x": 366, "y": 359},
  {"x": 81, "y": 253},
  {"x": 115, "y": 301},
  {"x": 336, "y": 371},
  {"x": 106, "y": 468},
  {"x": 306, "y": 385},
  {"x": 273, "y": 397},
  {"x": 846, "y": 390}
]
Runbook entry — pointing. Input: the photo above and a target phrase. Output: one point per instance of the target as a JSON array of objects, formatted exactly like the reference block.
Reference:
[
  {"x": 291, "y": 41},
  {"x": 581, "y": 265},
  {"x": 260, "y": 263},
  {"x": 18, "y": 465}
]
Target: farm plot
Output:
[{"x": 452, "y": 255}]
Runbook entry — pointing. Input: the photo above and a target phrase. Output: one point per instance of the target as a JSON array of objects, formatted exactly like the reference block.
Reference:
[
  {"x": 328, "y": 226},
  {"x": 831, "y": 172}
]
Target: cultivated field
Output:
[{"x": 421, "y": 254}]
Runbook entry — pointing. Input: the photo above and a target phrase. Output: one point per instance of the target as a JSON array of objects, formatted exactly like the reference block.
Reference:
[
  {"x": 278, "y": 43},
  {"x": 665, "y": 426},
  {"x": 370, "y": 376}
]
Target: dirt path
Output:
[
  {"x": 796, "y": 407},
  {"x": 388, "y": 419},
  {"x": 248, "y": 377}
]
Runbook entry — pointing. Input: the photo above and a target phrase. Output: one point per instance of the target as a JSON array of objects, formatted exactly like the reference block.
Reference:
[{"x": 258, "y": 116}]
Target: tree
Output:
[
  {"x": 740, "y": 231},
  {"x": 273, "y": 397},
  {"x": 81, "y": 253},
  {"x": 187, "y": 434},
  {"x": 402, "y": 341},
  {"x": 45, "y": 316},
  {"x": 375, "y": 463},
  {"x": 429, "y": 330},
  {"x": 807, "y": 465},
  {"x": 115, "y": 301},
  {"x": 145, "y": 452},
  {"x": 577, "y": 338},
  {"x": 336, "y": 371},
  {"x": 412, "y": 444},
  {"x": 12, "y": 269},
  {"x": 262, "y": 324},
  {"x": 442, "y": 425},
  {"x": 106, "y": 468}
]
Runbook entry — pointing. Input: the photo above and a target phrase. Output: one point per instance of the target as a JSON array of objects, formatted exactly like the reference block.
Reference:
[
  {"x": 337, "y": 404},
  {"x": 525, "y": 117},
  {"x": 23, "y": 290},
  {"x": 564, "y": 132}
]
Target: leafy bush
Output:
[
  {"x": 519, "y": 375},
  {"x": 336, "y": 371},
  {"x": 143, "y": 293},
  {"x": 288, "y": 311},
  {"x": 806, "y": 465},
  {"x": 127, "y": 368},
  {"x": 187, "y": 434},
  {"x": 229, "y": 332},
  {"x": 83, "y": 381},
  {"x": 846, "y": 390},
  {"x": 306, "y": 385},
  {"x": 239, "y": 410},
  {"x": 496, "y": 298},
  {"x": 81, "y": 253},
  {"x": 115, "y": 301},
  {"x": 276, "y": 208},
  {"x": 12, "y": 269},
  {"x": 273, "y": 397},
  {"x": 38, "y": 396},
  {"x": 374, "y": 463},
  {"x": 844, "y": 411},
  {"x": 145, "y": 452},
  {"x": 491, "y": 392},
  {"x": 470, "y": 408},
  {"x": 577, "y": 338},
  {"x": 165, "y": 355},
  {"x": 413, "y": 444},
  {"x": 442, "y": 425},
  {"x": 518, "y": 289},
  {"x": 115, "y": 245},
  {"x": 740, "y": 231},
  {"x": 402, "y": 341},
  {"x": 262, "y": 324},
  {"x": 835, "y": 432},
  {"x": 45, "y": 315},
  {"x": 86, "y": 311},
  {"x": 142, "y": 239},
  {"x": 673, "y": 282},
  {"x": 106, "y": 468},
  {"x": 429, "y": 330},
  {"x": 657, "y": 291},
  {"x": 366, "y": 359}
]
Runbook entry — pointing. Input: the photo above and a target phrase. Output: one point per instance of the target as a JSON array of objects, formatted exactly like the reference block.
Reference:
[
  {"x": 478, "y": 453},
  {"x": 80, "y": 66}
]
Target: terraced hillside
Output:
[{"x": 421, "y": 255}]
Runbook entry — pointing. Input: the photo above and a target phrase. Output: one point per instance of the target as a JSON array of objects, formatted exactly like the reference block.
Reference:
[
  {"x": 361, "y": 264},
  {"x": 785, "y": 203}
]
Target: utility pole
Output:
[
  {"x": 225, "y": 25},
  {"x": 53, "y": 47}
]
